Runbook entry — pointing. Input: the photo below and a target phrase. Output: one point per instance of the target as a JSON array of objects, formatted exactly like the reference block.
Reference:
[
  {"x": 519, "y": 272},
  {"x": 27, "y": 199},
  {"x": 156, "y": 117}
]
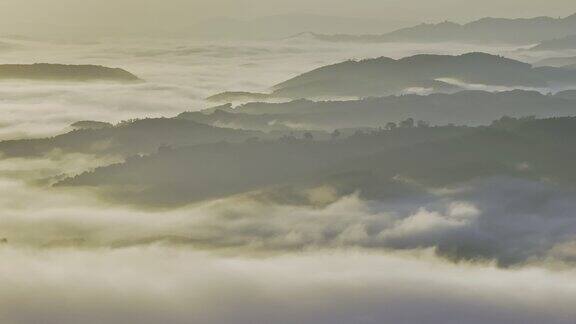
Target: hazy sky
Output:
[
  {"x": 130, "y": 14},
  {"x": 79, "y": 10}
]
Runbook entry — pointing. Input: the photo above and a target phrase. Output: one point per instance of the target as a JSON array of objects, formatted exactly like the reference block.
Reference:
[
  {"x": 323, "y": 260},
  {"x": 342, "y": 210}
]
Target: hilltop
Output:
[
  {"x": 61, "y": 72},
  {"x": 420, "y": 73}
]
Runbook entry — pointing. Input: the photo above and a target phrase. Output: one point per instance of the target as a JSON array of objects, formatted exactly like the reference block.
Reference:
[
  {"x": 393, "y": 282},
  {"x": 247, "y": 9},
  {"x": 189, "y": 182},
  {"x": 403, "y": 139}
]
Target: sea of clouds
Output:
[
  {"x": 497, "y": 250},
  {"x": 179, "y": 75}
]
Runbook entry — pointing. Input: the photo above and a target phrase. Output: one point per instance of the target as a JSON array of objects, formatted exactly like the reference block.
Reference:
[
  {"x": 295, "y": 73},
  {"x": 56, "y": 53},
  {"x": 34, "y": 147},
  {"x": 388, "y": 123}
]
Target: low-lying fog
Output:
[{"x": 71, "y": 258}]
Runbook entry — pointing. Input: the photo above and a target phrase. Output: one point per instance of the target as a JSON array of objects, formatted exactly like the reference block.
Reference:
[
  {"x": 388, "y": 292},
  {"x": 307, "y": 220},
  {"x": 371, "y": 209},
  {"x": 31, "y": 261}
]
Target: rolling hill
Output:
[{"x": 61, "y": 72}]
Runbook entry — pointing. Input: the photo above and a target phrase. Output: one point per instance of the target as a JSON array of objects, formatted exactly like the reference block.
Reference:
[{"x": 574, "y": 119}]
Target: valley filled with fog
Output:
[
  {"x": 289, "y": 180},
  {"x": 178, "y": 75}
]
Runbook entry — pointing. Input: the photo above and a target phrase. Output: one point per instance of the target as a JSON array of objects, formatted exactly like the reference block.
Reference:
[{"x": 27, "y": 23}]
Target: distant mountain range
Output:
[
  {"x": 463, "y": 108},
  {"x": 279, "y": 26},
  {"x": 420, "y": 73},
  {"x": 485, "y": 30},
  {"x": 61, "y": 72},
  {"x": 379, "y": 164}
]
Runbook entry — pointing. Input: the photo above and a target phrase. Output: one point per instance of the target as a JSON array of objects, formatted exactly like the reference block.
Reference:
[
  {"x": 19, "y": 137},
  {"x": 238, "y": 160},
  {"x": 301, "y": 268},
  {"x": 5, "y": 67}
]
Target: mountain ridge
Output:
[
  {"x": 494, "y": 30},
  {"x": 64, "y": 72},
  {"x": 384, "y": 76}
]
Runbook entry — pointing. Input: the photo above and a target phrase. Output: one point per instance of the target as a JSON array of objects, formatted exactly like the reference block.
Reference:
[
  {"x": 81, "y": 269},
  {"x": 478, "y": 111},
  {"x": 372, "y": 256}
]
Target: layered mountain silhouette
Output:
[
  {"x": 559, "y": 44},
  {"x": 268, "y": 121},
  {"x": 61, "y": 72},
  {"x": 463, "y": 108},
  {"x": 432, "y": 73},
  {"x": 369, "y": 162},
  {"x": 485, "y": 30},
  {"x": 141, "y": 136}
]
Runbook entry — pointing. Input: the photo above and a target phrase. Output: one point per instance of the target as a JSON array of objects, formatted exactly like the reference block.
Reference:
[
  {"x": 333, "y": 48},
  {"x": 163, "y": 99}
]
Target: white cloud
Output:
[{"x": 160, "y": 284}]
